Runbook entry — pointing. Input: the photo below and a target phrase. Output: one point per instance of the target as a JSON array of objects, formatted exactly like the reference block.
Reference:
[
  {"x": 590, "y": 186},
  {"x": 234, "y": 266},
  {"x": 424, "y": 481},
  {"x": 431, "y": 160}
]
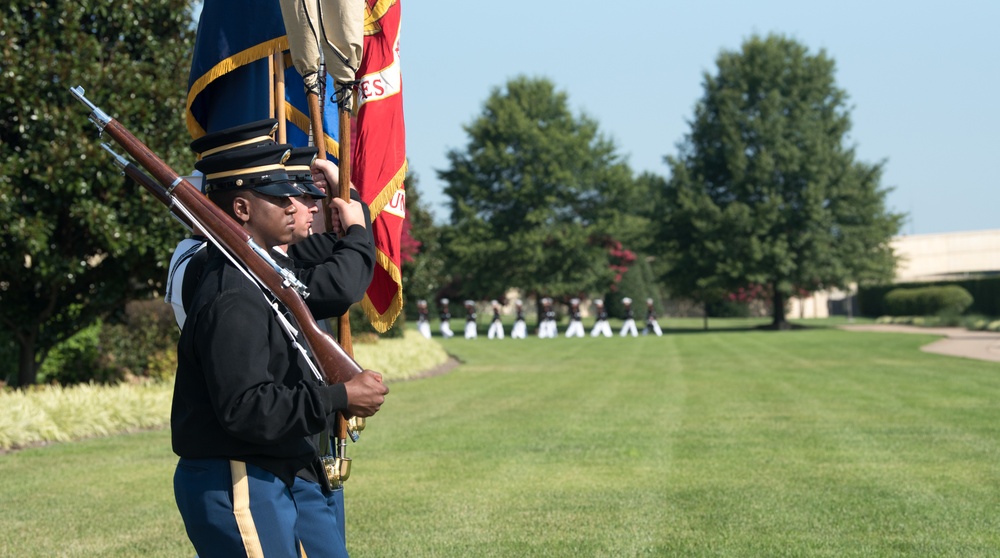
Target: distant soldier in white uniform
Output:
[
  {"x": 423, "y": 322},
  {"x": 651, "y": 323},
  {"x": 629, "y": 326},
  {"x": 520, "y": 329},
  {"x": 496, "y": 326},
  {"x": 470, "y": 320},
  {"x": 575, "y": 328},
  {"x": 547, "y": 327},
  {"x": 445, "y": 316},
  {"x": 601, "y": 326}
]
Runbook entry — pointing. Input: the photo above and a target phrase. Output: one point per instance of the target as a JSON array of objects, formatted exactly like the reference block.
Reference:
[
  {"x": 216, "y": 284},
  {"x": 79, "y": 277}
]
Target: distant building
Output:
[
  {"x": 935, "y": 257},
  {"x": 922, "y": 257}
]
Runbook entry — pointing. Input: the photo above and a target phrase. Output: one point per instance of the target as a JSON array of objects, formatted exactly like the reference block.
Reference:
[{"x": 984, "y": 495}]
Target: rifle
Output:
[
  {"x": 151, "y": 186},
  {"x": 335, "y": 364}
]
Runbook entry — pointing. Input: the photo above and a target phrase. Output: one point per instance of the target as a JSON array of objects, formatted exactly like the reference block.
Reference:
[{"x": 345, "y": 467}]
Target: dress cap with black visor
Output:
[
  {"x": 260, "y": 169},
  {"x": 299, "y": 172},
  {"x": 251, "y": 134},
  {"x": 244, "y": 157}
]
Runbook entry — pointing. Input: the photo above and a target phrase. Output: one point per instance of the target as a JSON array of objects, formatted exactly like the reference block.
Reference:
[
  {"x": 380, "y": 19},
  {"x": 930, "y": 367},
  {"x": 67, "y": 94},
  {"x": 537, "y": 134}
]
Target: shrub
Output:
[
  {"x": 638, "y": 284},
  {"x": 144, "y": 344},
  {"x": 75, "y": 360},
  {"x": 985, "y": 293},
  {"x": 950, "y": 300}
]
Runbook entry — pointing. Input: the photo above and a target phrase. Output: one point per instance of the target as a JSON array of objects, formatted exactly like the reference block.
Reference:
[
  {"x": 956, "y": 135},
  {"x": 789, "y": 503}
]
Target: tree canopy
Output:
[
  {"x": 424, "y": 273},
  {"x": 766, "y": 190},
  {"x": 76, "y": 239},
  {"x": 537, "y": 197}
]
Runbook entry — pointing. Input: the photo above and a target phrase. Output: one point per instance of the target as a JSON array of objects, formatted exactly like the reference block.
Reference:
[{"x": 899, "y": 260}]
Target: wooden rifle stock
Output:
[{"x": 335, "y": 364}]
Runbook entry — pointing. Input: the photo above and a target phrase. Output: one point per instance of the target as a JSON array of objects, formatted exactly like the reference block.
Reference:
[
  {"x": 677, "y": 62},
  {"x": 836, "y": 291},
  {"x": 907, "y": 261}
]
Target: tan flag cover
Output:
[{"x": 336, "y": 24}]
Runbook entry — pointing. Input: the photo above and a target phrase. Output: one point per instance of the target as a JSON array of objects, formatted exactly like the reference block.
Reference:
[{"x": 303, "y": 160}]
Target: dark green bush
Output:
[
  {"x": 949, "y": 300},
  {"x": 985, "y": 292},
  {"x": 75, "y": 360},
  {"x": 142, "y": 343},
  {"x": 137, "y": 345},
  {"x": 638, "y": 284},
  {"x": 727, "y": 309}
]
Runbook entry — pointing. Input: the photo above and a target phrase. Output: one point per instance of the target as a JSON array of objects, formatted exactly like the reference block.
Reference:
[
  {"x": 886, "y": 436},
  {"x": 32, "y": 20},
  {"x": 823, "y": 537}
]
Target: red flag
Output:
[{"x": 378, "y": 164}]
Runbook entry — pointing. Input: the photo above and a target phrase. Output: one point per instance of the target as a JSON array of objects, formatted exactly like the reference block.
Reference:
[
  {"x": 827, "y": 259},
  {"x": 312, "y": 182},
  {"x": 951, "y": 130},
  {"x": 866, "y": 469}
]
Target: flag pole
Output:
[
  {"x": 341, "y": 425},
  {"x": 344, "y": 156},
  {"x": 278, "y": 94},
  {"x": 319, "y": 139}
]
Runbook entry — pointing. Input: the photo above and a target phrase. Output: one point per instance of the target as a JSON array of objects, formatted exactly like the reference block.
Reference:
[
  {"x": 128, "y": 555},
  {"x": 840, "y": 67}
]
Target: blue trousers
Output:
[
  {"x": 320, "y": 522},
  {"x": 231, "y": 509}
]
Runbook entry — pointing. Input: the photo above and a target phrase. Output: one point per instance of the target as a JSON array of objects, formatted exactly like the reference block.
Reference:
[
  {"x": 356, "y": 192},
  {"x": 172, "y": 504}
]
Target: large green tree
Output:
[
  {"x": 766, "y": 190},
  {"x": 537, "y": 197},
  {"x": 76, "y": 239}
]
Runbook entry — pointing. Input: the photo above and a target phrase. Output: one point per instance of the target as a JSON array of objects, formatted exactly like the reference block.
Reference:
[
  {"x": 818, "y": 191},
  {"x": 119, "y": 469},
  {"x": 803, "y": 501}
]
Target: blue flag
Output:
[{"x": 231, "y": 79}]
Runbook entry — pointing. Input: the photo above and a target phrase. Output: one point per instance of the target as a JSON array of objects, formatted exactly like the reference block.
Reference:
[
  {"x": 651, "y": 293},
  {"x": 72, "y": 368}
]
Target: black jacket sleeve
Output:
[{"x": 337, "y": 271}]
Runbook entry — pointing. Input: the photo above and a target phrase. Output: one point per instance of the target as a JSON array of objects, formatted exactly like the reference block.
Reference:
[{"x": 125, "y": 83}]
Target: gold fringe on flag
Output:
[
  {"x": 381, "y": 322},
  {"x": 390, "y": 189},
  {"x": 242, "y": 58}
]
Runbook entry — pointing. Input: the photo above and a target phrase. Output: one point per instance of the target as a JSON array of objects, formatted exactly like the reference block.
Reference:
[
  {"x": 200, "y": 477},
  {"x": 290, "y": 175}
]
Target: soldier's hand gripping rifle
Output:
[{"x": 335, "y": 365}]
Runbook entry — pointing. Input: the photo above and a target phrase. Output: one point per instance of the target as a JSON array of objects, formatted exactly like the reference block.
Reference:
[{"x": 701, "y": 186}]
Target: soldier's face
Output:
[
  {"x": 270, "y": 220},
  {"x": 305, "y": 208}
]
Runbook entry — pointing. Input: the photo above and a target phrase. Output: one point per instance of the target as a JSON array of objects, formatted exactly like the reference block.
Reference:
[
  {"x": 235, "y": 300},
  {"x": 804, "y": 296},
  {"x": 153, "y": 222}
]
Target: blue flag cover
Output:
[{"x": 230, "y": 80}]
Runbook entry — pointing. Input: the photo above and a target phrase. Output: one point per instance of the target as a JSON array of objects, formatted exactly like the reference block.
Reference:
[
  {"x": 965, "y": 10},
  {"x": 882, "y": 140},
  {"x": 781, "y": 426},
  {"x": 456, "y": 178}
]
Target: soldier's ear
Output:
[{"x": 241, "y": 208}]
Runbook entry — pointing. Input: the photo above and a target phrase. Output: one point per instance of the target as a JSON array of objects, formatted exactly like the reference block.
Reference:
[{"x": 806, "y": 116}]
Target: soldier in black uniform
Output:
[
  {"x": 575, "y": 328},
  {"x": 471, "y": 329},
  {"x": 445, "y": 316},
  {"x": 423, "y": 322},
  {"x": 651, "y": 324},
  {"x": 520, "y": 329},
  {"x": 547, "y": 329},
  {"x": 248, "y": 407},
  {"x": 496, "y": 325},
  {"x": 628, "y": 326},
  {"x": 601, "y": 326}
]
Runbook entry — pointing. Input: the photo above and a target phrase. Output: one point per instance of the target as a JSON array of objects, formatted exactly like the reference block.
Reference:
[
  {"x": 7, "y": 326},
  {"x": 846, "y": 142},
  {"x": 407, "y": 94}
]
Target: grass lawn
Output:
[{"x": 815, "y": 442}]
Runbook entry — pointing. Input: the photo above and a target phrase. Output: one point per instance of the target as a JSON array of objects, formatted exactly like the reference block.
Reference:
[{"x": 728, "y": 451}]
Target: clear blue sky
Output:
[{"x": 923, "y": 80}]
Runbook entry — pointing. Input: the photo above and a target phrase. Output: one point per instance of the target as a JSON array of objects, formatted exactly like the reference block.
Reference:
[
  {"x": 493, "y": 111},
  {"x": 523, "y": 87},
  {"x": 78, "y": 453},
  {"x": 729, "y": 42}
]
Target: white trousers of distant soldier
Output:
[
  {"x": 519, "y": 331},
  {"x": 575, "y": 329},
  {"x": 424, "y": 327},
  {"x": 496, "y": 330},
  {"x": 601, "y": 327},
  {"x": 547, "y": 329}
]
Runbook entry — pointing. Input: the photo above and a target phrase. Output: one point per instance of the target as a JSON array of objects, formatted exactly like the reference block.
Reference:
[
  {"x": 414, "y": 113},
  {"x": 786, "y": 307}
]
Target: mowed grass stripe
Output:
[
  {"x": 725, "y": 443},
  {"x": 839, "y": 442},
  {"x": 815, "y": 442}
]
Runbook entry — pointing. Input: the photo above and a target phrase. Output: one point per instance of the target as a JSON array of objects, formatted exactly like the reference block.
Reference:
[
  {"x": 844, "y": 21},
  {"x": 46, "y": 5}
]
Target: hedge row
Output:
[
  {"x": 928, "y": 301},
  {"x": 985, "y": 293}
]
